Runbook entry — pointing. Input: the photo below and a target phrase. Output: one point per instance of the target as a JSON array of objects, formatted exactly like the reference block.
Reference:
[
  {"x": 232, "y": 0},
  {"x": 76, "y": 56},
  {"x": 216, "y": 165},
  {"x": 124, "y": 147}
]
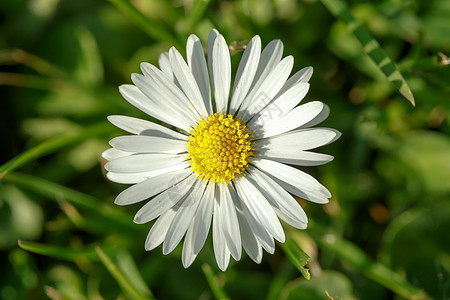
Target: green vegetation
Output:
[{"x": 384, "y": 235}]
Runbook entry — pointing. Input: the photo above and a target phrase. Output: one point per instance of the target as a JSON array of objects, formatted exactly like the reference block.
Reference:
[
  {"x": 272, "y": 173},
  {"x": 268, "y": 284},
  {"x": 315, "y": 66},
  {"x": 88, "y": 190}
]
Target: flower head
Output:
[{"x": 221, "y": 158}]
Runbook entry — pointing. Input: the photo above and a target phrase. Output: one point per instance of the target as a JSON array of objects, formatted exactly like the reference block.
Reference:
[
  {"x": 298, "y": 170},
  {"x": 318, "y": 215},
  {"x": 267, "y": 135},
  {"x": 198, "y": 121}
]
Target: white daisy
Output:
[{"x": 226, "y": 158}]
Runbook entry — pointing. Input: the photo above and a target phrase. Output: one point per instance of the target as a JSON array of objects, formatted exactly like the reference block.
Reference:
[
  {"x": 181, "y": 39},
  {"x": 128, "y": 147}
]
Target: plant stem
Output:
[{"x": 216, "y": 287}]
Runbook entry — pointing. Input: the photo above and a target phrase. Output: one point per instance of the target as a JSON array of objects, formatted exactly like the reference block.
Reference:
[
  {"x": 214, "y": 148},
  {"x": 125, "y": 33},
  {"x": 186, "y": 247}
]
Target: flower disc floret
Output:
[{"x": 219, "y": 148}]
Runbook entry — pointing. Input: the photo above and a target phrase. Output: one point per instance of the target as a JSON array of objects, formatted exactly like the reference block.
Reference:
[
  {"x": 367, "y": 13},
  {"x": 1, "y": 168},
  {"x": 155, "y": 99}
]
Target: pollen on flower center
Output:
[{"x": 219, "y": 148}]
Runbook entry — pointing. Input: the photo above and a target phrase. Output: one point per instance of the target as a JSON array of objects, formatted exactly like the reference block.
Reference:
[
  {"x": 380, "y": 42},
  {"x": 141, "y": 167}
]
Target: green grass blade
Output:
[
  {"x": 351, "y": 254},
  {"x": 53, "y": 190},
  {"x": 372, "y": 48},
  {"x": 153, "y": 28},
  {"x": 30, "y": 81},
  {"x": 53, "y": 145},
  {"x": 32, "y": 61},
  {"x": 127, "y": 286},
  {"x": 89, "y": 69},
  {"x": 198, "y": 10},
  {"x": 216, "y": 287},
  {"x": 296, "y": 255},
  {"x": 127, "y": 264},
  {"x": 56, "y": 192},
  {"x": 59, "y": 252}
]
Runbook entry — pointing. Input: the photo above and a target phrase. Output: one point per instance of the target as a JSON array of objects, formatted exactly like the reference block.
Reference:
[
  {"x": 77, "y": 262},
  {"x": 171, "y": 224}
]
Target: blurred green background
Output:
[{"x": 385, "y": 233}]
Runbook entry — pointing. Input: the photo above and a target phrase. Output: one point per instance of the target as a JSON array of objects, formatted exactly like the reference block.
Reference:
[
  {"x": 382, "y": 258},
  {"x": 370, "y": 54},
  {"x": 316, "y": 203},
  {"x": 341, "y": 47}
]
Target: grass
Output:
[{"x": 380, "y": 237}]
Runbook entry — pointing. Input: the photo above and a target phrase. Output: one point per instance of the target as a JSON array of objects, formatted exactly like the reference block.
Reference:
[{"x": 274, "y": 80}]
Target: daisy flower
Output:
[{"x": 224, "y": 157}]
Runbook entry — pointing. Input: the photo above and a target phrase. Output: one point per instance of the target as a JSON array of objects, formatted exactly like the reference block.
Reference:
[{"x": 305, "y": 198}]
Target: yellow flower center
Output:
[{"x": 219, "y": 148}]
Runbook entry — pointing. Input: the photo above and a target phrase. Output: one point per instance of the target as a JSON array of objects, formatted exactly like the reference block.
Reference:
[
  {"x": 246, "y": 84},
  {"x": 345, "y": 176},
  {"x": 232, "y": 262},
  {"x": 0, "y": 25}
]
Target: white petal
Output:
[
  {"x": 280, "y": 106},
  {"x": 144, "y": 162},
  {"x": 159, "y": 230},
  {"x": 270, "y": 57},
  {"x": 319, "y": 118},
  {"x": 187, "y": 81},
  {"x": 148, "y": 144},
  {"x": 164, "y": 201},
  {"x": 183, "y": 218},
  {"x": 245, "y": 73},
  {"x": 284, "y": 204},
  {"x": 150, "y": 187},
  {"x": 202, "y": 220},
  {"x": 258, "y": 206},
  {"x": 229, "y": 222},
  {"x": 264, "y": 238},
  {"x": 132, "y": 178},
  {"x": 302, "y": 76},
  {"x": 297, "y": 158},
  {"x": 221, "y": 251},
  {"x": 166, "y": 68},
  {"x": 197, "y": 63},
  {"x": 258, "y": 98},
  {"x": 112, "y": 153},
  {"x": 221, "y": 70},
  {"x": 211, "y": 39},
  {"x": 144, "y": 127},
  {"x": 301, "y": 139},
  {"x": 296, "y": 118},
  {"x": 294, "y": 181},
  {"x": 250, "y": 243},
  {"x": 289, "y": 220},
  {"x": 135, "y": 97},
  {"x": 188, "y": 256},
  {"x": 158, "y": 87}
]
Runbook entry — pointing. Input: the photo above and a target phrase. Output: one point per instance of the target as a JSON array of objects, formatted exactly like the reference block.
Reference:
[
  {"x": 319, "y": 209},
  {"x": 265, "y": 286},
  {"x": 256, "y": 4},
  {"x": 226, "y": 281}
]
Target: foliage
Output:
[{"x": 382, "y": 236}]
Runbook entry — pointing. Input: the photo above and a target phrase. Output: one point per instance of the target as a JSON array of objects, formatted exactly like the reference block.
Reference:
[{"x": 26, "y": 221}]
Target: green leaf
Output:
[
  {"x": 58, "y": 192},
  {"x": 197, "y": 12},
  {"x": 30, "y": 81},
  {"x": 422, "y": 229},
  {"x": 66, "y": 283},
  {"x": 89, "y": 69},
  {"x": 153, "y": 28},
  {"x": 372, "y": 48},
  {"x": 21, "y": 218},
  {"x": 125, "y": 283},
  {"x": 351, "y": 254},
  {"x": 53, "y": 145},
  {"x": 32, "y": 61},
  {"x": 60, "y": 252},
  {"x": 128, "y": 266},
  {"x": 327, "y": 285},
  {"x": 53, "y": 190},
  {"x": 214, "y": 283},
  {"x": 422, "y": 158},
  {"x": 295, "y": 254}
]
